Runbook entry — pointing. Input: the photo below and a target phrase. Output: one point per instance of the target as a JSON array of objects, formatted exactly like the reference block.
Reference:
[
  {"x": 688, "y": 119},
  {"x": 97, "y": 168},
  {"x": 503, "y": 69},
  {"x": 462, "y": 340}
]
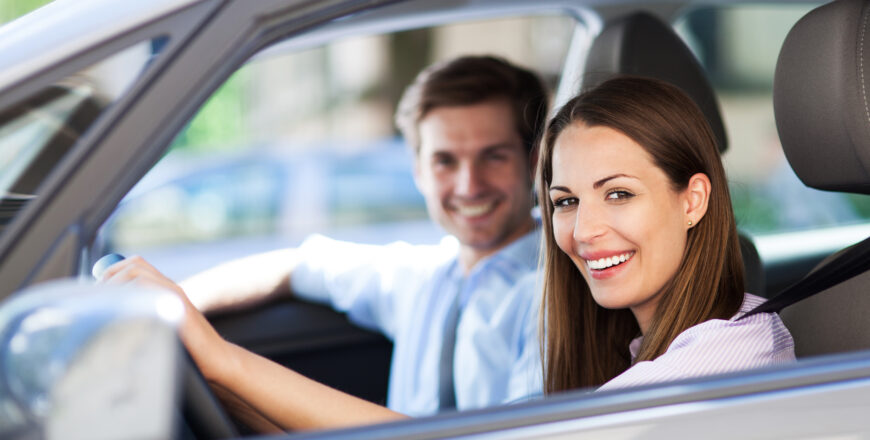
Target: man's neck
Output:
[{"x": 470, "y": 256}]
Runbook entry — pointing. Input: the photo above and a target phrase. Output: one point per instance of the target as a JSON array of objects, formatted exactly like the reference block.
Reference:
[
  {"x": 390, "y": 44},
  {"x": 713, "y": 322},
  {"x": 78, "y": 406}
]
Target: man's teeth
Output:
[
  {"x": 604, "y": 263},
  {"x": 474, "y": 210}
]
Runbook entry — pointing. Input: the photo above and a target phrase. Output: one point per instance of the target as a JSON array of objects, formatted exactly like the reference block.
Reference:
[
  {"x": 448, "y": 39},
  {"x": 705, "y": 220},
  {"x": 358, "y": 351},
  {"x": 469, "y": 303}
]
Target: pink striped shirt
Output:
[{"x": 714, "y": 347}]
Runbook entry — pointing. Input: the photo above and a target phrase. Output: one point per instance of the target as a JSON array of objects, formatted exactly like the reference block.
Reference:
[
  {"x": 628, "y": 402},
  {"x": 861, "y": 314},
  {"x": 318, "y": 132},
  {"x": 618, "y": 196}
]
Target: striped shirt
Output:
[{"x": 714, "y": 347}]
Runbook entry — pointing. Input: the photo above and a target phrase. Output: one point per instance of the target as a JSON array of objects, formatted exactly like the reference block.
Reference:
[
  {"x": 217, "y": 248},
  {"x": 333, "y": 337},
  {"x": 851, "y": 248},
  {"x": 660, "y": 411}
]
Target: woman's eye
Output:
[
  {"x": 565, "y": 202},
  {"x": 619, "y": 194}
]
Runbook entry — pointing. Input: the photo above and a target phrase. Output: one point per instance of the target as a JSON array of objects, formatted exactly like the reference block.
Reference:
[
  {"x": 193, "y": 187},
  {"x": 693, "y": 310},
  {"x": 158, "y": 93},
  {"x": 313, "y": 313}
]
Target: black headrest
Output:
[
  {"x": 821, "y": 98},
  {"x": 641, "y": 44}
]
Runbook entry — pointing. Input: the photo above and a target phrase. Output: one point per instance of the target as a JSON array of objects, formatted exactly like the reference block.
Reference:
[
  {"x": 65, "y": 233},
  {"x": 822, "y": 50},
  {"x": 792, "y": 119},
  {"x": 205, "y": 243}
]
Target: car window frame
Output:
[
  {"x": 53, "y": 252},
  {"x": 582, "y": 412}
]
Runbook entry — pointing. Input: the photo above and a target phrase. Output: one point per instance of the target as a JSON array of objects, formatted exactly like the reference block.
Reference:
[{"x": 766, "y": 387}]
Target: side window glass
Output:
[
  {"x": 302, "y": 140},
  {"x": 38, "y": 132},
  {"x": 739, "y": 46}
]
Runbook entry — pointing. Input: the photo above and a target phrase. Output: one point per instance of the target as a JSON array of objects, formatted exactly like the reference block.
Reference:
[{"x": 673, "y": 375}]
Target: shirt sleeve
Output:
[
  {"x": 373, "y": 284},
  {"x": 714, "y": 347}
]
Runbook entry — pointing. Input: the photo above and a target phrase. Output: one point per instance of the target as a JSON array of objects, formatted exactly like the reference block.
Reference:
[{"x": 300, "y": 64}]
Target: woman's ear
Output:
[{"x": 697, "y": 196}]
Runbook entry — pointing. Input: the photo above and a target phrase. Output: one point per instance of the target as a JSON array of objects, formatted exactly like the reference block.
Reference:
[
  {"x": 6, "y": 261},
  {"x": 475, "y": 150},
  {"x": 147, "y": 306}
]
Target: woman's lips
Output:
[{"x": 606, "y": 267}]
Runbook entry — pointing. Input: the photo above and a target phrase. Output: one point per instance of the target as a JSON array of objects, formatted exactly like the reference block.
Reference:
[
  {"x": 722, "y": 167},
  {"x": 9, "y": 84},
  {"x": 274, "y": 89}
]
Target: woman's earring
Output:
[{"x": 690, "y": 223}]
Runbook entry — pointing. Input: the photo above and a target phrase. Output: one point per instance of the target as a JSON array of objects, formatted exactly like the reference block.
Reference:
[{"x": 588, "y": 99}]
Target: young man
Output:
[{"x": 458, "y": 325}]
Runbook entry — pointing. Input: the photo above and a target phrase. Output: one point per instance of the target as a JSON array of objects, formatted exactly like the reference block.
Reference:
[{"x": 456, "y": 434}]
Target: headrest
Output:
[
  {"x": 821, "y": 98},
  {"x": 641, "y": 44}
]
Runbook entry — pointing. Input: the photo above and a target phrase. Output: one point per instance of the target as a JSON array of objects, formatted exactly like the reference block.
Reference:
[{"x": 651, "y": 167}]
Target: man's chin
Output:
[{"x": 481, "y": 242}]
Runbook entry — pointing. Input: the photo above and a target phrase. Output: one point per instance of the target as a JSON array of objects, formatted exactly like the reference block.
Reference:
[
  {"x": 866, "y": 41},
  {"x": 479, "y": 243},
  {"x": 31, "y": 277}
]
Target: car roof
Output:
[{"x": 63, "y": 28}]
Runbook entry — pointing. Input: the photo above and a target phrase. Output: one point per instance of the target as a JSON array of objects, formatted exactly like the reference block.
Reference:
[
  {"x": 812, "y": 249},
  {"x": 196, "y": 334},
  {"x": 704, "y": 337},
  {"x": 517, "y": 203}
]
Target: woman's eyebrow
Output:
[
  {"x": 601, "y": 182},
  {"x": 559, "y": 188}
]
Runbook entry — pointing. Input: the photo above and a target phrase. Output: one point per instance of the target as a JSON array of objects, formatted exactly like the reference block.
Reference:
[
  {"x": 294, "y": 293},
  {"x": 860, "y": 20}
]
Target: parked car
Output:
[
  {"x": 191, "y": 212},
  {"x": 93, "y": 95}
]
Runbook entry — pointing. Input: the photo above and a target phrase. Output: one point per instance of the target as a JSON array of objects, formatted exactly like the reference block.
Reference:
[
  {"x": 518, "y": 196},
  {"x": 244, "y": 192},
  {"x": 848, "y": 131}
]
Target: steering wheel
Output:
[{"x": 205, "y": 418}]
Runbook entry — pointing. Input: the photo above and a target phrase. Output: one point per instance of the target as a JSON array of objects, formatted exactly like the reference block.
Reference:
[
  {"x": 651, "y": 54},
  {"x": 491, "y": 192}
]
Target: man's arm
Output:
[
  {"x": 242, "y": 283},
  {"x": 262, "y": 393}
]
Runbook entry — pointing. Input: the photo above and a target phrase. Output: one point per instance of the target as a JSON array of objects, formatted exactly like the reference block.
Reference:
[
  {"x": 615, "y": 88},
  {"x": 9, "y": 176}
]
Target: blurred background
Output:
[{"x": 301, "y": 139}]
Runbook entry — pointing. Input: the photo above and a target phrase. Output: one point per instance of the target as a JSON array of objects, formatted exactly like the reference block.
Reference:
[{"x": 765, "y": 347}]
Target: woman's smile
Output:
[{"x": 607, "y": 266}]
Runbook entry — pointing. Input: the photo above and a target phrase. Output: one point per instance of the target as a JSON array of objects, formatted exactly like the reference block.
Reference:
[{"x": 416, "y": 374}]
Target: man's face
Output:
[{"x": 475, "y": 175}]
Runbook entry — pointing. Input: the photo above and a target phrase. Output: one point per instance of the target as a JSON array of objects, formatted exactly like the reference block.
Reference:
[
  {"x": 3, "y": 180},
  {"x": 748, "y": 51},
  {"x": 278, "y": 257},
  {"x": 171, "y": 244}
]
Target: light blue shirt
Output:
[{"x": 406, "y": 291}]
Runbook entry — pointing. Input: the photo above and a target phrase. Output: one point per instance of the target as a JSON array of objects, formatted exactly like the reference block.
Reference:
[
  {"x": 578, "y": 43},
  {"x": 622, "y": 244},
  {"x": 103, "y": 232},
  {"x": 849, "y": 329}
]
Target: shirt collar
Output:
[
  {"x": 634, "y": 347},
  {"x": 522, "y": 252}
]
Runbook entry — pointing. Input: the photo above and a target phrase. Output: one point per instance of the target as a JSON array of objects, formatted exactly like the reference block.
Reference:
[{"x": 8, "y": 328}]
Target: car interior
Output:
[{"x": 636, "y": 44}]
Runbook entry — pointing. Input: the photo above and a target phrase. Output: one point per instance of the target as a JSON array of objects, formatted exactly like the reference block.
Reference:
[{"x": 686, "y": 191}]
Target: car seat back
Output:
[{"x": 822, "y": 108}]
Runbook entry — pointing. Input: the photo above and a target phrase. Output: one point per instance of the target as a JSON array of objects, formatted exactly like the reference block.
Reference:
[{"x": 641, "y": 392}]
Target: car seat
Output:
[
  {"x": 641, "y": 44},
  {"x": 822, "y": 108}
]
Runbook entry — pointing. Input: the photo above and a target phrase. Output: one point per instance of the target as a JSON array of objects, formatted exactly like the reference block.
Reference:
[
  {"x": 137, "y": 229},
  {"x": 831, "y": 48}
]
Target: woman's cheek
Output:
[{"x": 563, "y": 231}]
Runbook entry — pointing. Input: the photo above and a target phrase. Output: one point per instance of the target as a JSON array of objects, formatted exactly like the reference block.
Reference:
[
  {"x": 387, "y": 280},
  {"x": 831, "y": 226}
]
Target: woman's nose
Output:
[{"x": 588, "y": 224}]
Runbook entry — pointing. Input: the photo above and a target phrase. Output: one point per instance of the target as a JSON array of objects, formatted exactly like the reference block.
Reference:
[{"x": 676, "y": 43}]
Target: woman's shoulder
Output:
[
  {"x": 762, "y": 334},
  {"x": 750, "y": 302},
  {"x": 717, "y": 346}
]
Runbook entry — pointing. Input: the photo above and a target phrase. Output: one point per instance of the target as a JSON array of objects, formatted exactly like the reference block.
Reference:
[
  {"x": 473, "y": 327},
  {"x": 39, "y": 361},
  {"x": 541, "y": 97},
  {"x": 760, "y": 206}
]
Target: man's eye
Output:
[
  {"x": 619, "y": 194},
  {"x": 442, "y": 160},
  {"x": 497, "y": 157}
]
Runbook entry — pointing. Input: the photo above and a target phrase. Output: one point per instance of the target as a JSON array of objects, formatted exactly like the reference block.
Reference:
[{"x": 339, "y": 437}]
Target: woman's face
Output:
[{"x": 617, "y": 217}]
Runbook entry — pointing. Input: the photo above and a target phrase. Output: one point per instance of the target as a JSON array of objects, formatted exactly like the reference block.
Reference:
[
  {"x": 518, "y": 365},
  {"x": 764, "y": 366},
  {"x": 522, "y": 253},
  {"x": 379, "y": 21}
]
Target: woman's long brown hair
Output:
[{"x": 586, "y": 345}]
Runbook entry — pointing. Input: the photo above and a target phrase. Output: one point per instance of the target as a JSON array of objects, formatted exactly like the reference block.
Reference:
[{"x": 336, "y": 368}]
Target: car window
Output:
[
  {"x": 300, "y": 141},
  {"x": 738, "y": 46},
  {"x": 36, "y": 133}
]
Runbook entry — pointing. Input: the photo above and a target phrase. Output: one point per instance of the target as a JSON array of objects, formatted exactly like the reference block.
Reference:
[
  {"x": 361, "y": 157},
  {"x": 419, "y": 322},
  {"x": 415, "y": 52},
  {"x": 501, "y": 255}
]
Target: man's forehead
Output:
[
  {"x": 509, "y": 146},
  {"x": 474, "y": 127}
]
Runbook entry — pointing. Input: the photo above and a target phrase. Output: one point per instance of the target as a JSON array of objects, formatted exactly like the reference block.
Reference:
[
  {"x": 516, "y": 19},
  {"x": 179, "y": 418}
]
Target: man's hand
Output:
[{"x": 201, "y": 339}]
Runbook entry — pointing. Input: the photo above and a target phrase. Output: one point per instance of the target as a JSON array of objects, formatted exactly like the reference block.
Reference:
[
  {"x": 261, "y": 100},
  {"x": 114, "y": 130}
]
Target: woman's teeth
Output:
[{"x": 604, "y": 263}]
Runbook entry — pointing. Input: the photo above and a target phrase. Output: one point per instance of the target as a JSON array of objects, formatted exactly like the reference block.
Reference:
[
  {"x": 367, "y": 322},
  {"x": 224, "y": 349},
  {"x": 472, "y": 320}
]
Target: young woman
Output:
[{"x": 642, "y": 278}]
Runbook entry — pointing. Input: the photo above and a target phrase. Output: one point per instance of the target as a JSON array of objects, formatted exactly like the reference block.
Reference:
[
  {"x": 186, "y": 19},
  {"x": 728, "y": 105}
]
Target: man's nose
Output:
[{"x": 470, "y": 180}]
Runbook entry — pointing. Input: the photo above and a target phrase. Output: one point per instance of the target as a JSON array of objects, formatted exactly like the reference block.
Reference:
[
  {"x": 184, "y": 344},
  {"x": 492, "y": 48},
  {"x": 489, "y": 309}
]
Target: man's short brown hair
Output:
[{"x": 471, "y": 80}]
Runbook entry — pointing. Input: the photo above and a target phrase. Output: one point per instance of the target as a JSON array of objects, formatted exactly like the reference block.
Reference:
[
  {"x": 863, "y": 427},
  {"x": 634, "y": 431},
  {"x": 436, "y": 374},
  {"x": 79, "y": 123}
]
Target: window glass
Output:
[
  {"x": 739, "y": 46},
  {"x": 303, "y": 141},
  {"x": 37, "y": 133}
]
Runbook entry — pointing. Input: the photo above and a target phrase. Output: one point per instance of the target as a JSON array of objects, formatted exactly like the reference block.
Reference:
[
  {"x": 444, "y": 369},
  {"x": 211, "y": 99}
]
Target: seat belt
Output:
[{"x": 853, "y": 261}]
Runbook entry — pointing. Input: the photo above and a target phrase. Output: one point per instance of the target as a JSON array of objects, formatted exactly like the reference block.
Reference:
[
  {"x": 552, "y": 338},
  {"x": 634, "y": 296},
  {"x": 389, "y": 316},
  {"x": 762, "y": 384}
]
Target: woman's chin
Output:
[{"x": 610, "y": 300}]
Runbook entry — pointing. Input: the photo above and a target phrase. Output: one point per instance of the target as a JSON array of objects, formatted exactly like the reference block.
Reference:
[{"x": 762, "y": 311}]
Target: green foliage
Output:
[
  {"x": 220, "y": 122},
  {"x": 861, "y": 204},
  {"x": 753, "y": 213},
  {"x": 11, "y": 9}
]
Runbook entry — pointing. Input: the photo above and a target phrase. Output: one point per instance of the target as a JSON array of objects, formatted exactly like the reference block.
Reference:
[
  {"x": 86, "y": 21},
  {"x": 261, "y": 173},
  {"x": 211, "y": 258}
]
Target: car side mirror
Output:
[{"x": 85, "y": 360}]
